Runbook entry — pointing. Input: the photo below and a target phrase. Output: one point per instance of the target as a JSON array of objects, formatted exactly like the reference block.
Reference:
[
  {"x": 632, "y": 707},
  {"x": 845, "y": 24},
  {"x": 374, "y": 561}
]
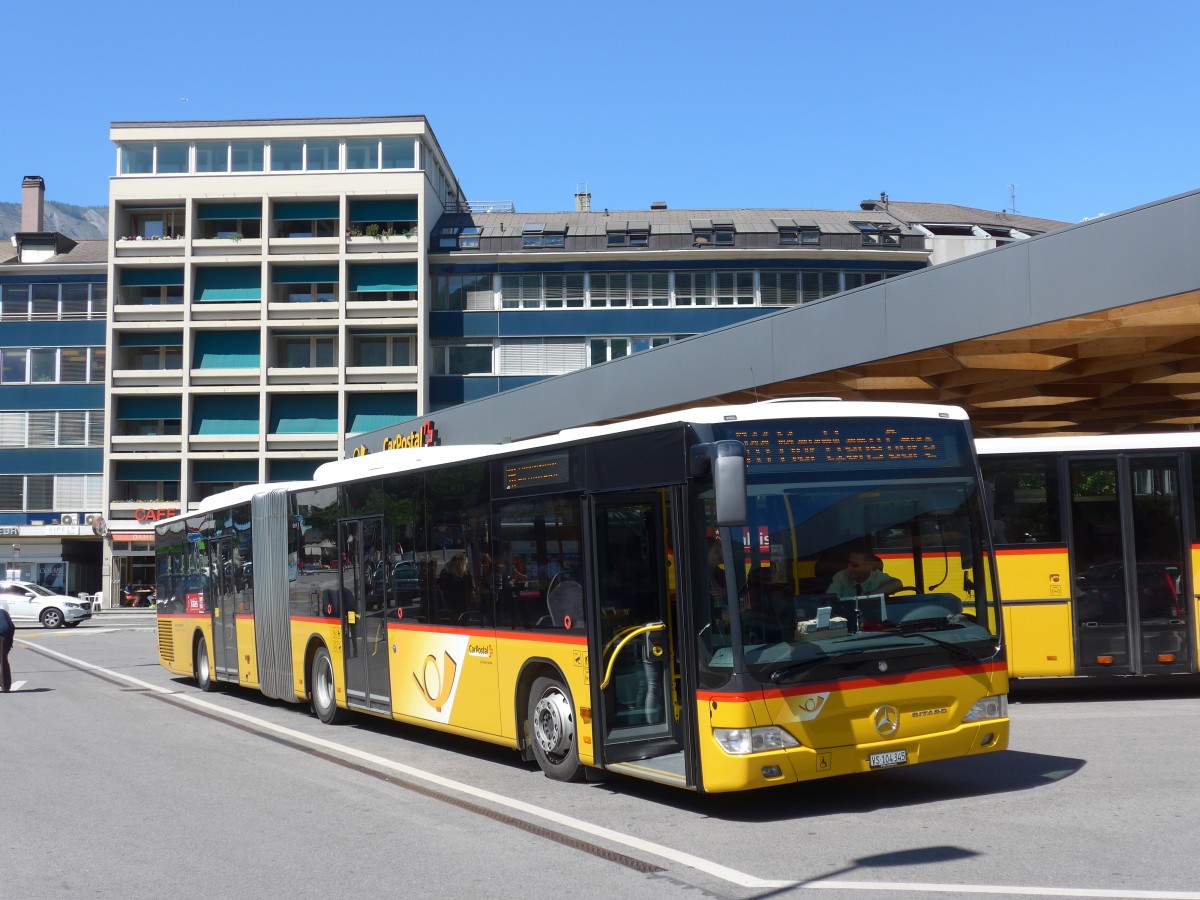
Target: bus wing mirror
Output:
[{"x": 728, "y": 462}]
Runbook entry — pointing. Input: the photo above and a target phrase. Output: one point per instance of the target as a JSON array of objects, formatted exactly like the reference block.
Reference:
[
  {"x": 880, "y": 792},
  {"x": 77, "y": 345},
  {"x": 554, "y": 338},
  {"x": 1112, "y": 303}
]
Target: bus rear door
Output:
[{"x": 1131, "y": 591}]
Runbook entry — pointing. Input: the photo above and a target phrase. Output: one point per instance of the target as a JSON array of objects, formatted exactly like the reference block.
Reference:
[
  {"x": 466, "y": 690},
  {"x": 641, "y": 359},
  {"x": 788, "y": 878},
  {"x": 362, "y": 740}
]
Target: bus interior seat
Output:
[{"x": 564, "y": 600}]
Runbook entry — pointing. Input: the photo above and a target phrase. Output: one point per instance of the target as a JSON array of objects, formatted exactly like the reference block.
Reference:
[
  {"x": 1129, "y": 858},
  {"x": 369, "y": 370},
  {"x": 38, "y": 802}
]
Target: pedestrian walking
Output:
[{"x": 7, "y": 631}]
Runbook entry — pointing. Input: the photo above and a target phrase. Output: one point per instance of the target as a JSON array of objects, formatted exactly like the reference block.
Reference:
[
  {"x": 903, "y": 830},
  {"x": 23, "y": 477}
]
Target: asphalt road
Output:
[{"x": 119, "y": 780}]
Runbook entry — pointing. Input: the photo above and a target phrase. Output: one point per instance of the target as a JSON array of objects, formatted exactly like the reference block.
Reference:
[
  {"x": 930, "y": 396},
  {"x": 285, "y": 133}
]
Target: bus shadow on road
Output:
[
  {"x": 955, "y": 779},
  {"x": 1103, "y": 690}
]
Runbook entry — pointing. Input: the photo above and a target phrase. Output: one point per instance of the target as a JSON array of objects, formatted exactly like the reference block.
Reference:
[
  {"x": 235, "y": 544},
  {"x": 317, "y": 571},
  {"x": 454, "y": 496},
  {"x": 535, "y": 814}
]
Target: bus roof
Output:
[{"x": 1083, "y": 443}]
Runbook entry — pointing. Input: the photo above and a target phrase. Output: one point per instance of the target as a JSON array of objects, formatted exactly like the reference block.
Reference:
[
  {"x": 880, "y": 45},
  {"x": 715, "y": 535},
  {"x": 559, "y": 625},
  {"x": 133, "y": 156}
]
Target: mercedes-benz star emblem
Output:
[{"x": 887, "y": 720}]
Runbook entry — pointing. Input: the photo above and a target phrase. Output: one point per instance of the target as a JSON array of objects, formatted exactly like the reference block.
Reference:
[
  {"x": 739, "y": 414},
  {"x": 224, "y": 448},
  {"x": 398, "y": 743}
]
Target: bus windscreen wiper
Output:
[
  {"x": 921, "y": 629},
  {"x": 779, "y": 675}
]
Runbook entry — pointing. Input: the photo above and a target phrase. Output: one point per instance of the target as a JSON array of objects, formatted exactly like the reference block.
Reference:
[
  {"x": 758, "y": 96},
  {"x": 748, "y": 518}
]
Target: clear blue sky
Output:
[{"x": 1087, "y": 107}]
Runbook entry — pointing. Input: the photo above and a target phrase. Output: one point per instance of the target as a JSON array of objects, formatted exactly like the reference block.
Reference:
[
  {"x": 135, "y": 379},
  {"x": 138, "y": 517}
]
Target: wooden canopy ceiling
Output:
[{"x": 1134, "y": 368}]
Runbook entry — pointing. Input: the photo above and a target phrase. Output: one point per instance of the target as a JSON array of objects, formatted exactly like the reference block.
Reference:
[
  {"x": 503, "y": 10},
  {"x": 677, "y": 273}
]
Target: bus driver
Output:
[{"x": 863, "y": 575}]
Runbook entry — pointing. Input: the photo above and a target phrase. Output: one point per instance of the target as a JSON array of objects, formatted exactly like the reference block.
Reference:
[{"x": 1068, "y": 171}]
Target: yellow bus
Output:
[
  {"x": 648, "y": 598},
  {"x": 1097, "y": 551}
]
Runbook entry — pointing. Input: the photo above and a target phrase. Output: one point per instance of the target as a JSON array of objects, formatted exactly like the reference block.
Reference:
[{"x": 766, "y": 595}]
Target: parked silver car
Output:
[{"x": 29, "y": 603}]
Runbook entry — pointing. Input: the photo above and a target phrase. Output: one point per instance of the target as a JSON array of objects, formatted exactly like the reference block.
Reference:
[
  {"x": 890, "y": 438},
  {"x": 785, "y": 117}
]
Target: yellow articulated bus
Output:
[
  {"x": 649, "y": 598},
  {"x": 1097, "y": 551}
]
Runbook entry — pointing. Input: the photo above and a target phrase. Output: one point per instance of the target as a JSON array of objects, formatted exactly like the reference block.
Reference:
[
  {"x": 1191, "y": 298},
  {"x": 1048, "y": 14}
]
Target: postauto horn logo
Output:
[{"x": 427, "y": 436}]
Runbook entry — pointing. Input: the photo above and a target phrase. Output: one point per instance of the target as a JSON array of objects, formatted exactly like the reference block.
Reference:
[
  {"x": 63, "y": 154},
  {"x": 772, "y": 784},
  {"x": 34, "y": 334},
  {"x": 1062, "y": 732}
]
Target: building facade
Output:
[
  {"x": 53, "y": 307},
  {"x": 267, "y": 282}
]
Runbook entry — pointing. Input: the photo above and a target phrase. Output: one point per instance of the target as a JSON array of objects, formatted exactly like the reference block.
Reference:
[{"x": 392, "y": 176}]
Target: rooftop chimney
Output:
[
  {"x": 33, "y": 197},
  {"x": 658, "y": 204},
  {"x": 583, "y": 199}
]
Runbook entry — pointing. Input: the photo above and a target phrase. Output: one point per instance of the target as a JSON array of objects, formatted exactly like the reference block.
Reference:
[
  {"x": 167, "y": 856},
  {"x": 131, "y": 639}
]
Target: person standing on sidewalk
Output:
[{"x": 7, "y": 632}]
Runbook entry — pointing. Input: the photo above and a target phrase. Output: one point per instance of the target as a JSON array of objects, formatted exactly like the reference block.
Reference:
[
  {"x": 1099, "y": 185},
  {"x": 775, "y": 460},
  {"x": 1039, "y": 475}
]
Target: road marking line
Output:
[
  {"x": 688, "y": 860},
  {"x": 17, "y": 685}
]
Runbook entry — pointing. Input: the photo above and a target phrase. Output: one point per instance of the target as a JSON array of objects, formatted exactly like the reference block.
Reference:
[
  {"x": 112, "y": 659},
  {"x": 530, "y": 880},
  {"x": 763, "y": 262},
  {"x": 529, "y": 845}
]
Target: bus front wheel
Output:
[
  {"x": 552, "y": 729},
  {"x": 204, "y": 674},
  {"x": 324, "y": 689}
]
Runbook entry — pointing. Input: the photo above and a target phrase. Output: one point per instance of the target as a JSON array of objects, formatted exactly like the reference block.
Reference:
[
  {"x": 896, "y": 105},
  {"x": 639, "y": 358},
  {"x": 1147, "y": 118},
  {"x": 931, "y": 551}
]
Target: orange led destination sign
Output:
[
  {"x": 825, "y": 444},
  {"x": 537, "y": 471}
]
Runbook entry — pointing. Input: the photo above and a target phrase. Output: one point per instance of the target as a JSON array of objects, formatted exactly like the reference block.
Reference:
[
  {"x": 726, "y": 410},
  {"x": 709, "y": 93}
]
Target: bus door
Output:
[
  {"x": 223, "y": 604},
  {"x": 635, "y": 675},
  {"x": 1131, "y": 594},
  {"x": 364, "y": 603}
]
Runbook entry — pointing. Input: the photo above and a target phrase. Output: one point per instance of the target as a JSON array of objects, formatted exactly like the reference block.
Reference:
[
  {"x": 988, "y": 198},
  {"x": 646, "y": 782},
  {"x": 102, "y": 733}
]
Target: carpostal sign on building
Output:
[{"x": 425, "y": 436}]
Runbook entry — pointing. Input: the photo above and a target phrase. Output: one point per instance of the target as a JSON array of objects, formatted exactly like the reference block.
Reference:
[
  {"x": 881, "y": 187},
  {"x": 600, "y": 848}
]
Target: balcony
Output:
[
  {"x": 150, "y": 248},
  {"x": 226, "y": 311},
  {"x": 383, "y": 243},
  {"x": 396, "y": 375},
  {"x": 212, "y": 375},
  {"x": 294, "y": 375},
  {"x": 147, "y": 443},
  {"x": 209, "y": 442},
  {"x": 303, "y": 441},
  {"x": 319, "y": 245},
  {"x": 315, "y": 310},
  {"x": 147, "y": 377},
  {"x": 231, "y": 247}
]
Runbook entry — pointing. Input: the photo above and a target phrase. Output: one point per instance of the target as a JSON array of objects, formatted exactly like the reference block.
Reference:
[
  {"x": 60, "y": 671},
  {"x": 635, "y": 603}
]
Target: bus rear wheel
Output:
[
  {"x": 323, "y": 689},
  {"x": 552, "y": 729}
]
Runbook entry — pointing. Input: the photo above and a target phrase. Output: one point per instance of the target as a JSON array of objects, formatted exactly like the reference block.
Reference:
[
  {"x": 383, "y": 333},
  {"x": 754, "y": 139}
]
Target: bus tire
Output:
[
  {"x": 323, "y": 689},
  {"x": 552, "y": 729},
  {"x": 204, "y": 673}
]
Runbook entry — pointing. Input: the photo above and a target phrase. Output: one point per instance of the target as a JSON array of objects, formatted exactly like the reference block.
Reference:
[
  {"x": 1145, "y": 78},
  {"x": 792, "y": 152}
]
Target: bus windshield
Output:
[{"x": 834, "y": 563}]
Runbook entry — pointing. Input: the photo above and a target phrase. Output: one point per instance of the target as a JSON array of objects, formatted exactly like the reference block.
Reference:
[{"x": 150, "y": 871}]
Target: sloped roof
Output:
[
  {"x": 669, "y": 221},
  {"x": 913, "y": 212},
  {"x": 82, "y": 253}
]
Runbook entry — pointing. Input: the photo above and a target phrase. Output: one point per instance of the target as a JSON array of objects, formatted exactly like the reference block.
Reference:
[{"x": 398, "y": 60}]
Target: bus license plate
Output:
[{"x": 889, "y": 759}]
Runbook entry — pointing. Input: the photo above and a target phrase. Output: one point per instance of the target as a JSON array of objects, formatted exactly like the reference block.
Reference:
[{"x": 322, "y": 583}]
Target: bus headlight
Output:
[
  {"x": 988, "y": 708},
  {"x": 741, "y": 741}
]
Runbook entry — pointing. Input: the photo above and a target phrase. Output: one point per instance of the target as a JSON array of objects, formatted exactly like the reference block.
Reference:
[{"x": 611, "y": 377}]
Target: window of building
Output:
[
  {"x": 383, "y": 218},
  {"x": 860, "y": 279},
  {"x": 247, "y": 156},
  {"x": 308, "y": 292},
  {"x": 607, "y": 348},
  {"x": 398, "y": 153},
  {"x": 171, "y": 157},
  {"x": 14, "y": 302},
  {"x": 537, "y": 236},
  {"x": 464, "y": 237},
  {"x": 362, "y": 153},
  {"x": 464, "y": 292},
  {"x": 520, "y": 291},
  {"x": 461, "y": 358},
  {"x": 137, "y": 159},
  {"x": 815, "y": 285},
  {"x": 608, "y": 289},
  {"x": 735, "y": 288},
  {"x": 307, "y": 351},
  {"x": 779, "y": 288},
  {"x": 542, "y": 356},
  {"x": 878, "y": 234},
  {"x": 212, "y": 156},
  {"x": 693, "y": 288},
  {"x": 287, "y": 156},
  {"x": 152, "y": 359},
  {"x": 383, "y": 350},
  {"x": 321, "y": 155},
  {"x": 51, "y": 428},
  {"x": 153, "y": 295},
  {"x": 650, "y": 288},
  {"x": 306, "y": 219},
  {"x": 563, "y": 290},
  {"x": 154, "y": 224}
]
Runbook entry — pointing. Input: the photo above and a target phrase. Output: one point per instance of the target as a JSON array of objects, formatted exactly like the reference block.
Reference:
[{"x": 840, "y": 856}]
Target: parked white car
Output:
[{"x": 29, "y": 603}]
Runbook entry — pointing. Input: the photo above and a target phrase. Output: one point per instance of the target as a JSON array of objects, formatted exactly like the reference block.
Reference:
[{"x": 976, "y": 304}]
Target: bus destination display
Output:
[
  {"x": 538, "y": 471},
  {"x": 830, "y": 445}
]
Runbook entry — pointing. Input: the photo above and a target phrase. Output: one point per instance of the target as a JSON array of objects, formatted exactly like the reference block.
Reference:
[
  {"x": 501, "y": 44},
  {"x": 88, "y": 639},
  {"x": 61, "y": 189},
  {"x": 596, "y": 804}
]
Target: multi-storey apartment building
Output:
[
  {"x": 53, "y": 305},
  {"x": 267, "y": 278}
]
